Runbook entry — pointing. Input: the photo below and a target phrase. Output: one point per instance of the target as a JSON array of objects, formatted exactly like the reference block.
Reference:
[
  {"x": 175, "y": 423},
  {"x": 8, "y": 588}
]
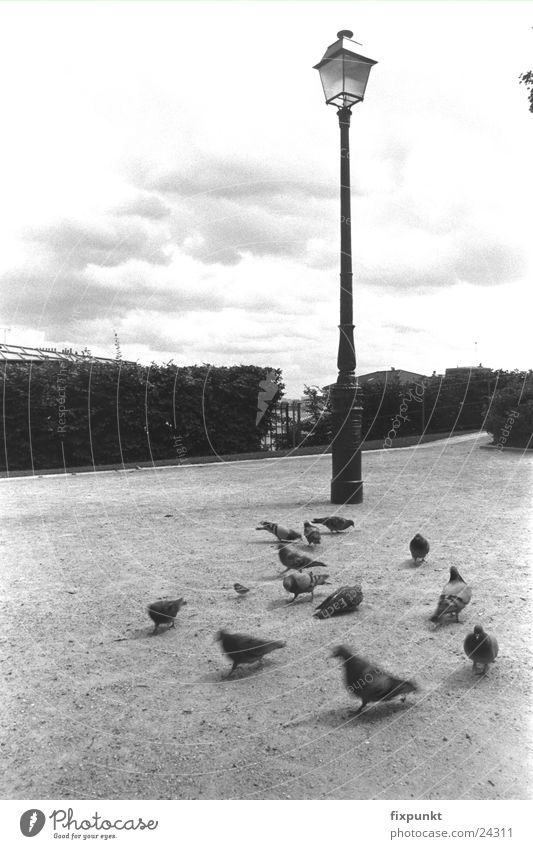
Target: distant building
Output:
[
  {"x": 387, "y": 376},
  {"x": 468, "y": 372},
  {"x": 27, "y": 354}
]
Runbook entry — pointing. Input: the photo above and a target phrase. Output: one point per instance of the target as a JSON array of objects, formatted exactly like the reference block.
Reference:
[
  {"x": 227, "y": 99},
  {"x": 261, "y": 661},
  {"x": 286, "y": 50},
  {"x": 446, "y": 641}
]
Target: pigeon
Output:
[
  {"x": 419, "y": 548},
  {"x": 241, "y": 648},
  {"x": 303, "y": 582},
  {"x": 280, "y": 531},
  {"x": 292, "y": 559},
  {"x": 335, "y": 524},
  {"x": 240, "y": 589},
  {"x": 481, "y": 648},
  {"x": 164, "y": 612},
  {"x": 343, "y": 600},
  {"x": 368, "y": 682},
  {"x": 311, "y": 534},
  {"x": 455, "y": 595}
]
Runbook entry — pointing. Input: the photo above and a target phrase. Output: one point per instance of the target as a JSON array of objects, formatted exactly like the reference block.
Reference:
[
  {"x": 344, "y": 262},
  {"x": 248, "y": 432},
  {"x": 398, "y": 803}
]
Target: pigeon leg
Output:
[
  {"x": 173, "y": 623},
  {"x": 233, "y": 668},
  {"x": 155, "y": 628}
]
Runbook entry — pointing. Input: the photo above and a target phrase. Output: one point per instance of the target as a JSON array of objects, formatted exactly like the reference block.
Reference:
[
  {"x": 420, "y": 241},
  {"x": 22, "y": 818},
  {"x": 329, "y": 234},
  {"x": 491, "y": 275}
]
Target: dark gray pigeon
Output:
[
  {"x": 335, "y": 524},
  {"x": 481, "y": 648},
  {"x": 368, "y": 682},
  {"x": 292, "y": 559},
  {"x": 343, "y": 600},
  {"x": 280, "y": 531},
  {"x": 241, "y": 648},
  {"x": 419, "y": 548},
  {"x": 303, "y": 582},
  {"x": 240, "y": 589},
  {"x": 311, "y": 534},
  {"x": 164, "y": 612}
]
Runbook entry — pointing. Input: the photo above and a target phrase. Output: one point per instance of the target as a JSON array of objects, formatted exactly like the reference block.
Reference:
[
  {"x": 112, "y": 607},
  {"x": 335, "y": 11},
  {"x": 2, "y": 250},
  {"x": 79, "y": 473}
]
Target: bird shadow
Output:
[
  {"x": 261, "y": 541},
  {"x": 242, "y": 672},
  {"x": 444, "y": 622},
  {"x": 464, "y": 677},
  {"x": 143, "y": 634},
  {"x": 280, "y": 603},
  {"x": 373, "y": 713},
  {"x": 409, "y": 564},
  {"x": 339, "y": 613},
  {"x": 275, "y": 577}
]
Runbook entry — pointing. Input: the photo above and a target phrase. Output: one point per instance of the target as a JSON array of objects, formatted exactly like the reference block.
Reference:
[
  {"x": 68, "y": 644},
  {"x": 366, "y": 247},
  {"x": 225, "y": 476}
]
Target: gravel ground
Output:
[{"x": 96, "y": 707}]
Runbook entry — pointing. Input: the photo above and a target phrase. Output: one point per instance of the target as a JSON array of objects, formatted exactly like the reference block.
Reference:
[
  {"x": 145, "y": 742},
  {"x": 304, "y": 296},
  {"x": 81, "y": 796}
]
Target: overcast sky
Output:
[{"x": 169, "y": 171}]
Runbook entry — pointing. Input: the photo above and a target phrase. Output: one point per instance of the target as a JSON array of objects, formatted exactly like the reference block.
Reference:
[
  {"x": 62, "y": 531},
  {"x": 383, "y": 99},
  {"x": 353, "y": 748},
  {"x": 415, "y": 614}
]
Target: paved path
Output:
[{"x": 98, "y": 708}]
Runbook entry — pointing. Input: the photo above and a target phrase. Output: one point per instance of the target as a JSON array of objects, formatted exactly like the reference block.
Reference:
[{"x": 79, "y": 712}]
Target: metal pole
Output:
[{"x": 346, "y": 483}]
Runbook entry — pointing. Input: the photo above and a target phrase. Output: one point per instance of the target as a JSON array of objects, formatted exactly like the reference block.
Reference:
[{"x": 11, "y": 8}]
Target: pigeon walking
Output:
[
  {"x": 343, "y": 600},
  {"x": 164, "y": 612},
  {"x": 481, "y": 648},
  {"x": 335, "y": 524},
  {"x": 454, "y": 597},
  {"x": 368, "y": 682},
  {"x": 419, "y": 548},
  {"x": 311, "y": 534},
  {"x": 292, "y": 559},
  {"x": 240, "y": 589},
  {"x": 241, "y": 648},
  {"x": 303, "y": 582},
  {"x": 280, "y": 531}
]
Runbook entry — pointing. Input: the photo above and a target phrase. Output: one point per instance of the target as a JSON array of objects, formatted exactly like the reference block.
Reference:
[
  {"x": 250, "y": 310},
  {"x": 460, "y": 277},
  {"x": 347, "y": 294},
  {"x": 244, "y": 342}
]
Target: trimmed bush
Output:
[{"x": 61, "y": 414}]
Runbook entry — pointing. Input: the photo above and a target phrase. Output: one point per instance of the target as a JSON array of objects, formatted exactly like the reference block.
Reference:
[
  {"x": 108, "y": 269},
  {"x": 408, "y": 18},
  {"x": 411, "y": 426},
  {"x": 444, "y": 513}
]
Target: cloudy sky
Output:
[{"x": 169, "y": 172}]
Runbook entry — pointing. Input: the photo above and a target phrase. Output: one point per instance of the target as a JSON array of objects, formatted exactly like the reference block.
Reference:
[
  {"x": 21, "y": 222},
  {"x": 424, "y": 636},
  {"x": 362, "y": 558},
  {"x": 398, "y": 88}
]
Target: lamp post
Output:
[{"x": 344, "y": 74}]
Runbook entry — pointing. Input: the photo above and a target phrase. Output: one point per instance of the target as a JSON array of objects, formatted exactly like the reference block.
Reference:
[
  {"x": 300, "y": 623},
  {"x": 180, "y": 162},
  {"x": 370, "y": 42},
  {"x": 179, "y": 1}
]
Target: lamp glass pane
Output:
[
  {"x": 331, "y": 76},
  {"x": 356, "y": 75}
]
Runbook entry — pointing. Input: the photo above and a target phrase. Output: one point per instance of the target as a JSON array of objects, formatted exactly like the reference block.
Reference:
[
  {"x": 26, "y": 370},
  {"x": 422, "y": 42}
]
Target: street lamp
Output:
[{"x": 344, "y": 74}]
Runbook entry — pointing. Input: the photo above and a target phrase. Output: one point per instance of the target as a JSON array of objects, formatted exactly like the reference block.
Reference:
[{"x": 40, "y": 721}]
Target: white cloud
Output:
[{"x": 187, "y": 196}]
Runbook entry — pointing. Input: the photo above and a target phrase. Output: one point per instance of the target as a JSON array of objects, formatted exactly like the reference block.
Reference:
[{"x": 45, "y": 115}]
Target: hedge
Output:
[{"x": 62, "y": 414}]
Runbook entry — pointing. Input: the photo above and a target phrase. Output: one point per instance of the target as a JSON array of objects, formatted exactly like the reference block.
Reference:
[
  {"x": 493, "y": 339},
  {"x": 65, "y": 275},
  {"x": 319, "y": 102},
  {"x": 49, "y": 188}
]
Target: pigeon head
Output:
[
  {"x": 454, "y": 575},
  {"x": 342, "y": 651},
  {"x": 350, "y": 522},
  {"x": 220, "y": 635},
  {"x": 478, "y": 630}
]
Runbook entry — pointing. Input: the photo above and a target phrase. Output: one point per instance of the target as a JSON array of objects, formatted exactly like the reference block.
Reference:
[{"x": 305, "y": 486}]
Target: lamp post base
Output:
[
  {"x": 347, "y": 478},
  {"x": 346, "y": 492}
]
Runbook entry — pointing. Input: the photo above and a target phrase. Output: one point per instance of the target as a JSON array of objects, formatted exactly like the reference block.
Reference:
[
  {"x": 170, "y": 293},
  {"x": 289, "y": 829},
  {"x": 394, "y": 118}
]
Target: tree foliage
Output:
[
  {"x": 65, "y": 414},
  {"x": 510, "y": 417},
  {"x": 527, "y": 80},
  {"x": 316, "y": 421},
  {"x": 438, "y": 405}
]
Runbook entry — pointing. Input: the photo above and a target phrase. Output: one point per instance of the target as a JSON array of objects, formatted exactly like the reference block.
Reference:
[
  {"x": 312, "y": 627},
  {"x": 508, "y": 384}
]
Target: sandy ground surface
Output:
[{"x": 96, "y": 707}]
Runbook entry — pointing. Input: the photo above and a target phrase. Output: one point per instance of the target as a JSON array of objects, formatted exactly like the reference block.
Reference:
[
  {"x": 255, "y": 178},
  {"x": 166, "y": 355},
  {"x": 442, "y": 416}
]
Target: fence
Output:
[{"x": 285, "y": 427}]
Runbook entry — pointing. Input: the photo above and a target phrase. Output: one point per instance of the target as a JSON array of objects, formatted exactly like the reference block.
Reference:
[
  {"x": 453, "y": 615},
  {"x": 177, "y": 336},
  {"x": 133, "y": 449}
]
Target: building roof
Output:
[
  {"x": 391, "y": 374},
  {"x": 27, "y": 354}
]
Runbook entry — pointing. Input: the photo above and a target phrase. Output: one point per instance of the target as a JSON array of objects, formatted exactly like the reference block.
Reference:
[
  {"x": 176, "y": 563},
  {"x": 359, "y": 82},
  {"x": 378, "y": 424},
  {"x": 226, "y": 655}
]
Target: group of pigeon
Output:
[{"x": 363, "y": 679}]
